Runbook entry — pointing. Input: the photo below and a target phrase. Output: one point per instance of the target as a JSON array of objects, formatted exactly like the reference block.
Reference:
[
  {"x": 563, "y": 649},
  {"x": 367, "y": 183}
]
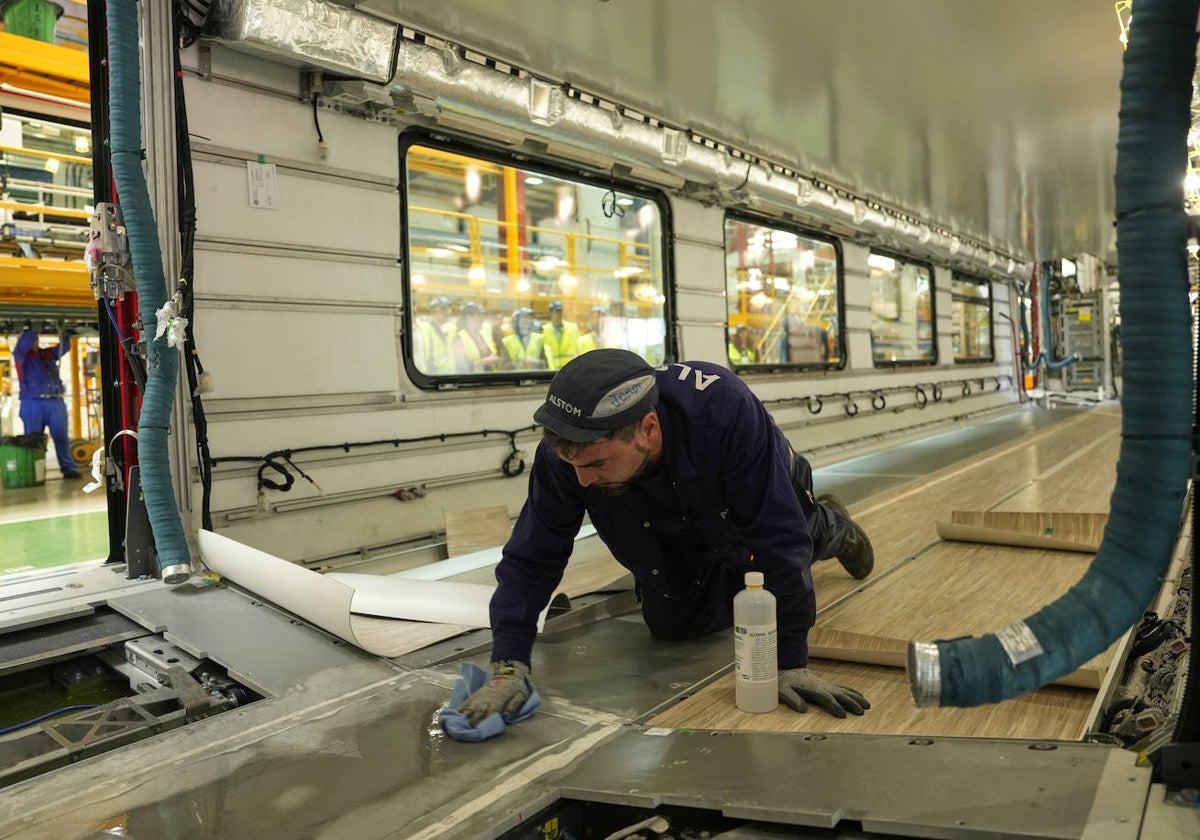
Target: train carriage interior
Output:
[{"x": 283, "y": 282}]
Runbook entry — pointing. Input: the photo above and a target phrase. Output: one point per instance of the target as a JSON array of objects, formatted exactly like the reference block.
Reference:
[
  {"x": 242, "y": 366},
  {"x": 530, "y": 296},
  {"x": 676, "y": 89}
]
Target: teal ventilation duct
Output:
[
  {"x": 125, "y": 124},
  {"x": 1156, "y": 446}
]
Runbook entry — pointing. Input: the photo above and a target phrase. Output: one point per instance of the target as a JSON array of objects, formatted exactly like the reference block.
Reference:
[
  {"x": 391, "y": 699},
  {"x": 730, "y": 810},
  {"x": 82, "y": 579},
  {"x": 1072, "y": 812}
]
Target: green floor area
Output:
[{"x": 53, "y": 541}]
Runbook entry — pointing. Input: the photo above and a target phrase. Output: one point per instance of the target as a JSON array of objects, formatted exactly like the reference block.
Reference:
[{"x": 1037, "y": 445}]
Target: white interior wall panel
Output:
[
  {"x": 702, "y": 342},
  {"x": 251, "y": 432},
  {"x": 293, "y": 275},
  {"x": 370, "y": 524},
  {"x": 856, "y": 306},
  {"x": 340, "y": 475},
  {"x": 699, "y": 275},
  {"x": 227, "y": 66},
  {"x": 315, "y": 211},
  {"x": 293, "y": 352},
  {"x": 234, "y": 118},
  {"x": 382, "y": 469}
]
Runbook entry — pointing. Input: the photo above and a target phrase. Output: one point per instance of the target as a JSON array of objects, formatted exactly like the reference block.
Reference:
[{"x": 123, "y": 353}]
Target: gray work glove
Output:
[
  {"x": 506, "y": 692},
  {"x": 800, "y": 685}
]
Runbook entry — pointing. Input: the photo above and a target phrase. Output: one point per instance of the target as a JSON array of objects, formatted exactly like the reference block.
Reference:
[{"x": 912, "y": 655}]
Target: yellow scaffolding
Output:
[{"x": 44, "y": 68}]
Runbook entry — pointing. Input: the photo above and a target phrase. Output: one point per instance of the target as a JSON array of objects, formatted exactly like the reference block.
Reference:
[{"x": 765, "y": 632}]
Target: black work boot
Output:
[{"x": 856, "y": 555}]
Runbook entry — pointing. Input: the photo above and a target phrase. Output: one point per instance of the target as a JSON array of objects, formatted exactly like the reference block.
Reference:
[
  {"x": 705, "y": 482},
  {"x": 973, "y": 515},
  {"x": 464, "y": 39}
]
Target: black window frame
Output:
[
  {"x": 796, "y": 229},
  {"x": 535, "y": 164},
  {"x": 963, "y": 276},
  {"x": 909, "y": 363}
]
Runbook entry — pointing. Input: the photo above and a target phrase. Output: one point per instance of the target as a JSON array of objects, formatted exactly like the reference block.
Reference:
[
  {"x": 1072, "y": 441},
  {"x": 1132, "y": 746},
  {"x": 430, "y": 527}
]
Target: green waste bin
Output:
[
  {"x": 23, "y": 461},
  {"x": 31, "y": 18}
]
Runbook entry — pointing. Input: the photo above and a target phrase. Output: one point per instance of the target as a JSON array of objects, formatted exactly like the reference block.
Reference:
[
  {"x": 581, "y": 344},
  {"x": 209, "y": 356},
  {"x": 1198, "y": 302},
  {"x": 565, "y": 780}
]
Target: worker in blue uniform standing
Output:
[
  {"x": 42, "y": 393},
  {"x": 690, "y": 484}
]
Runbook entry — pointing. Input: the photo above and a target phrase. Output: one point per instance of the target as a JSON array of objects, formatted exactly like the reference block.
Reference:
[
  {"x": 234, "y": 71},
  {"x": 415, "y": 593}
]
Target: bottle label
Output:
[{"x": 754, "y": 652}]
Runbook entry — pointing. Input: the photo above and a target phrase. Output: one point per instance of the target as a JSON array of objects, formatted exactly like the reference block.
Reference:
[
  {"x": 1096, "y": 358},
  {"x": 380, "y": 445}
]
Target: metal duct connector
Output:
[{"x": 314, "y": 32}]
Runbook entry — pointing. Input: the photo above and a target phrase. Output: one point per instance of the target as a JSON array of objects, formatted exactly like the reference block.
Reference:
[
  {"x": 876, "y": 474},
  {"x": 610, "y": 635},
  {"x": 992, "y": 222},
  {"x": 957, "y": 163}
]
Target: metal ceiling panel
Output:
[{"x": 996, "y": 118}]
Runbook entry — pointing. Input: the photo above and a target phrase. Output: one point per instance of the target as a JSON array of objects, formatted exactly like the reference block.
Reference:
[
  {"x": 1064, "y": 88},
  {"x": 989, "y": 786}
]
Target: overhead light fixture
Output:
[
  {"x": 477, "y": 275},
  {"x": 473, "y": 185},
  {"x": 568, "y": 281},
  {"x": 646, "y": 292},
  {"x": 418, "y": 279},
  {"x": 625, "y": 202},
  {"x": 533, "y": 180},
  {"x": 83, "y": 144},
  {"x": 51, "y": 165},
  {"x": 564, "y": 205}
]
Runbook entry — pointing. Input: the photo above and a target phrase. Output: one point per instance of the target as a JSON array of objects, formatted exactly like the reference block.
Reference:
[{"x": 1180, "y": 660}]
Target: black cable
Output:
[
  {"x": 746, "y": 179},
  {"x": 608, "y": 203},
  {"x": 878, "y": 396},
  {"x": 185, "y": 185},
  {"x": 316, "y": 120},
  {"x": 190, "y": 17},
  {"x": 513, "y": 465}
]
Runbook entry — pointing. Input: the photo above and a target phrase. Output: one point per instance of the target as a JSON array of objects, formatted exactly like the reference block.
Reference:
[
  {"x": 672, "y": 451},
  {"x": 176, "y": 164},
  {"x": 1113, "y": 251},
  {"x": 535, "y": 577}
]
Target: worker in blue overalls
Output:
[
  {"x": 690, "y": 484},
  {"x": 42, "y": 393}
]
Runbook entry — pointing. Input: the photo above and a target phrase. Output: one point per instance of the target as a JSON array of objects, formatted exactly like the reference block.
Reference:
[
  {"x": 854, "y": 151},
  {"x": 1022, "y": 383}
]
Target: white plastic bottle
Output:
[{"x": 756, "y": 664}]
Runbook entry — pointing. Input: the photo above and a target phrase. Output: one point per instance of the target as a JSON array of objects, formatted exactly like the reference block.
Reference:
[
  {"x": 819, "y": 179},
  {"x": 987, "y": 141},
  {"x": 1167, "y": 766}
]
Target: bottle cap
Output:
[{"x": 754, "y": 578}]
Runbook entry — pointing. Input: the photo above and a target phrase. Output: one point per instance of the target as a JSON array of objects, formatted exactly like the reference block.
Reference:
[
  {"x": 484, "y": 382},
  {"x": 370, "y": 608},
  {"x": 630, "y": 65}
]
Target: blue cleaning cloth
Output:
[{"x": 454, "y": 723}]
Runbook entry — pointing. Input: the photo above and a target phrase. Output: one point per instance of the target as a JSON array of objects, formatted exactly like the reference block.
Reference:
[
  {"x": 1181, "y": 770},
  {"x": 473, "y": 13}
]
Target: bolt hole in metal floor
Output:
[{"x": 344, "y": 744}]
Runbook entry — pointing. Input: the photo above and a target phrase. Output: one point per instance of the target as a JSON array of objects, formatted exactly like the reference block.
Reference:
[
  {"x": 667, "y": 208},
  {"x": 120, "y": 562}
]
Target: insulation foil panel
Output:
[{"x": 311, "y": 33}]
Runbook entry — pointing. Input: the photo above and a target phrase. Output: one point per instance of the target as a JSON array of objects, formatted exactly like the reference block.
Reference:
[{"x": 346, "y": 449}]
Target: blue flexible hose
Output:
[
  {"x": 1043, "y": 358},
  {"x": 1155, "y": 462},
  {"x": 163, "y": 362},
  {"x": 18, "y": 726}
]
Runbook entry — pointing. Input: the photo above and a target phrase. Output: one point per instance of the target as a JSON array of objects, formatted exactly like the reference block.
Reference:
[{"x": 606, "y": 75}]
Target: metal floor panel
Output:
[
  {"x": 949, "y": 787},
  {"x": 614, "y": 667},
  {"x": 855, "y": 478}
]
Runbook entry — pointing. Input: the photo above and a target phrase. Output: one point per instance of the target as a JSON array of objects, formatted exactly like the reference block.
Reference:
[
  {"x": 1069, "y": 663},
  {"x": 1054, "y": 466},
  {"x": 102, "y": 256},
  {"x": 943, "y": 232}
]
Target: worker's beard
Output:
[{"x": 619, "y": 488}]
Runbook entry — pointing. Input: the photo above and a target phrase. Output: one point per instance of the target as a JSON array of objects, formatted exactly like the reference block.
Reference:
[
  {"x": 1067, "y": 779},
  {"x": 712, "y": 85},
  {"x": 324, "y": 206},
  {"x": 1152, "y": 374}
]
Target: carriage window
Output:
[
  {"x": 972, "y": 318},
  {"x": 783, "y": 297},
  {"x": 516, "y": 271},
  {"x": 901, "y": 311}
]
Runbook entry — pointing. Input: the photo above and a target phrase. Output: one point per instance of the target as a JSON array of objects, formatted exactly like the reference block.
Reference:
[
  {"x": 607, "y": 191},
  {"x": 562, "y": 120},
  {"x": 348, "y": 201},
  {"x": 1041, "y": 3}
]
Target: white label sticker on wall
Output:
[
  {"x": 1019, "y": 642},
  {"x": 264, "y": 189}
]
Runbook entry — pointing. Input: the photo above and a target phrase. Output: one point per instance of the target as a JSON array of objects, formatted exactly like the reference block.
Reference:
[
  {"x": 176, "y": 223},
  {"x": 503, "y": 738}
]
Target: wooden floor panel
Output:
[
  {"x": 927, "y": 589},
  {"x": 1055, "y": 712},
  {"x": 1009, "y": 477}
]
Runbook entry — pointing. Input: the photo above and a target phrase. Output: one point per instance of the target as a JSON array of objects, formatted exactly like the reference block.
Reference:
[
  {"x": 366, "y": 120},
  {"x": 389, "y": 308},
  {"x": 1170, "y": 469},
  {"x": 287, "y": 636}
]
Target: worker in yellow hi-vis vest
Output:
[
  {"x": 523, "y": 346},
  {"x": 474, "y": 346},
  {"x": 741, "y": 347},
  {"x": 432, "y": 337},
  {"x": 561, "y": 338}
]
